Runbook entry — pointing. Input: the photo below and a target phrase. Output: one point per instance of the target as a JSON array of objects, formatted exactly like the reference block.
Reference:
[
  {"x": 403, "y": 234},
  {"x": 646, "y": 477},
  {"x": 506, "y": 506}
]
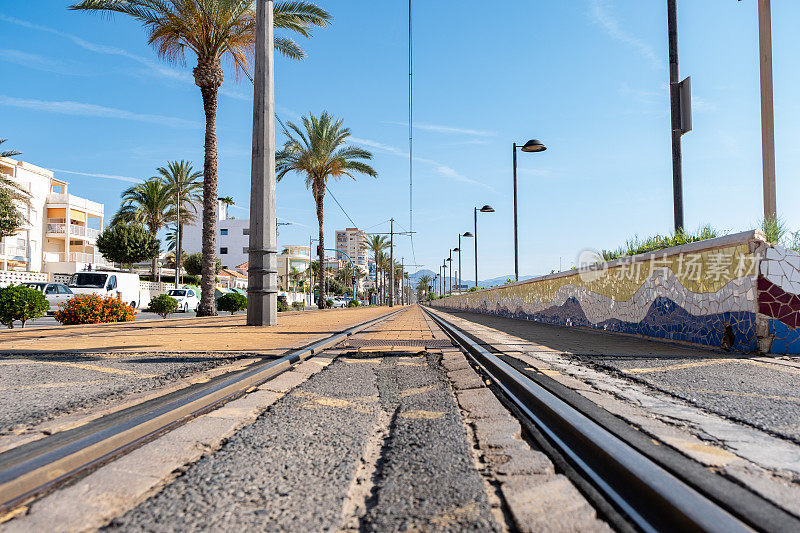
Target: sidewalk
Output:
[{"x": 211, "y": 334}]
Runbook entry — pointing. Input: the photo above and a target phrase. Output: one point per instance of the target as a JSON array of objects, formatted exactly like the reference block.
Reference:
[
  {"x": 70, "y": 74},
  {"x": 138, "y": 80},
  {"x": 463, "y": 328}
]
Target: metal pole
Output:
[
  {"x": 262, "y": 304},
  {"x": 450, "y": 292},
  {"x": 767, "y": 110},
  {"x": 177, "y": 235},
  {"x": 675, "y": 114},
  {"x": 458, "y": 285},
  {"x": 475, "y": 236},
  {"x": 516, "y": 242},
  {"x": 402, "y": 281},
  {"x": 391, "y": 263}
]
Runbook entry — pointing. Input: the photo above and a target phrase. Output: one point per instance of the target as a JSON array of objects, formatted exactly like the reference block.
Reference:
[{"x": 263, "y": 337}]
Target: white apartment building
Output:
[
  {"x": 352, "y": 241},
  {"x": 292, "y": 256},
  {"x": 61, "y": 230},
  {"x": 233, "y": 238}
]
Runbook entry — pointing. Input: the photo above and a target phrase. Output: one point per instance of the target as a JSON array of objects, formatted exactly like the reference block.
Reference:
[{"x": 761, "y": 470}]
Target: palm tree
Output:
[
  {"x": 296, "y": 278},
  {"x": 227, "y": 201},
  {"x": 213, "y": 30},
  {"x": 423, "y": 283},
  {"x": 150, "y": 204},
  {"x": 185, "y": 188},
  {"x": 14, "y": 190},
  {"x": 376, "y": 244},
  {"x": 8, "y": 153},
  {"x": 319, "y": 151}
]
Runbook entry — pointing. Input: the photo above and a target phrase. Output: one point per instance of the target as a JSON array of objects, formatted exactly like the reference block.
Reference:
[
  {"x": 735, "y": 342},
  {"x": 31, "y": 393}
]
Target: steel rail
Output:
[
  {"x": 651, "y": 497},
  {"x": 33, "y": 469}
]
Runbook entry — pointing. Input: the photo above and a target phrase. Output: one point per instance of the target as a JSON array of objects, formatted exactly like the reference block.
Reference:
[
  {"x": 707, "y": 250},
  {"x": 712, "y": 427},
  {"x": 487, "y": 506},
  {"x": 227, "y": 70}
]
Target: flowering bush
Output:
[{"x": 92, "y": 309}]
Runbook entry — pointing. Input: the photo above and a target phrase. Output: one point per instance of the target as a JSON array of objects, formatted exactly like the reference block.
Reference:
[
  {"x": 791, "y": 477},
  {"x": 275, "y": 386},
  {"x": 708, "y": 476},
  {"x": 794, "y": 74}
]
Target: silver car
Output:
[{"x": 55, "y": 293}]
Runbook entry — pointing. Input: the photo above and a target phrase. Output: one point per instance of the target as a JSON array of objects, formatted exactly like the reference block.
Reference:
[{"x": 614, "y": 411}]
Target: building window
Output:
[
  {"x": 223, "y": 251},
  {"x": 223, "y": 232},
  {"x": 245, "y": 232}
]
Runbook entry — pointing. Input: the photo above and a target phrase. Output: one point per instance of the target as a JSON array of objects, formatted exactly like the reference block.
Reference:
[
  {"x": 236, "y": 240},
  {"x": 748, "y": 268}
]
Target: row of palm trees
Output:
[
  {"x": 214, "y": 30},
  {"x": 383, "y": 266}
]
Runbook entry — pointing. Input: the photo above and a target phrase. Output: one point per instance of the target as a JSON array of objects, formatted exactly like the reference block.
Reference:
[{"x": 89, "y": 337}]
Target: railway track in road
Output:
[
  {"x": 636, "y": 483},
  {"x": 33, "y": 469}
]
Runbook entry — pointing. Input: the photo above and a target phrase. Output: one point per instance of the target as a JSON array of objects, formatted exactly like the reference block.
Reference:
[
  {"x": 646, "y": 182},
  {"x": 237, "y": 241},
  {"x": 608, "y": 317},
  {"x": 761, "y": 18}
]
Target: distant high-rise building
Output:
[{"x": 352, "y": 241}]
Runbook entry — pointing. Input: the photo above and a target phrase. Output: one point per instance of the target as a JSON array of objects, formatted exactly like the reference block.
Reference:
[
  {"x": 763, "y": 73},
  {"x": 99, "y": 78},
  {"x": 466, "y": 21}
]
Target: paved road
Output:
[{"x": 761, "y": 392}]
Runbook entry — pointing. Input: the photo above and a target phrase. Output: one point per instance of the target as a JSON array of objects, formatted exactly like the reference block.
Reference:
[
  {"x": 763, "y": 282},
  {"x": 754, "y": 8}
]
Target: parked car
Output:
[
  {"x": 187, "y": 299},
  {"x": 125, "y": 286},
  {"x": 339, "y": 301},
  {"x": 55, "y": 293}
]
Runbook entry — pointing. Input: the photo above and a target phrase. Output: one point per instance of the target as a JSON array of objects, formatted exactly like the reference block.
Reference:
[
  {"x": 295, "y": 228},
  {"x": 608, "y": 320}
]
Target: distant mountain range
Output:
[{"x": 500, "y": 280}]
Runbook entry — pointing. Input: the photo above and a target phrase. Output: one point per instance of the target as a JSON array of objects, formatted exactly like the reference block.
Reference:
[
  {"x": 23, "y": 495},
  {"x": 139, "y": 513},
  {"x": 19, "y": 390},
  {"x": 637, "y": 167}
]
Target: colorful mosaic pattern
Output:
[
  {"x": 708, "y": 297},
  {"x": 779, "y": 298}
]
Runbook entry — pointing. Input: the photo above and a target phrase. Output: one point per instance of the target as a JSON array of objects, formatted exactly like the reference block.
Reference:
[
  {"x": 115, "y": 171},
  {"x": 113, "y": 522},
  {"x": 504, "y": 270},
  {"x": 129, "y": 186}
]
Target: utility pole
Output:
[
  {"x": 675, "y": 114},
  {"x": 177, "y": 234},
  {"x": 767, "y": 110},
  {"x": 391, "y": 262},
  {"x": 262, "y": 301},
  {"x": 402, "y": 281}
]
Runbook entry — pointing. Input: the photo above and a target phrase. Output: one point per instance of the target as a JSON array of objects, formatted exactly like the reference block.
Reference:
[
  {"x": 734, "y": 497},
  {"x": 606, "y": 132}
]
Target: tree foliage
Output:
[
  {"x": 232, "y": 302},
  {"x": 127, "y": 243},
  {"x": 193, "y": 264},
  {"x": 163, "y": 305},
  {"x": 10, "y": 218},
  {"x": 21, "y": 303}
]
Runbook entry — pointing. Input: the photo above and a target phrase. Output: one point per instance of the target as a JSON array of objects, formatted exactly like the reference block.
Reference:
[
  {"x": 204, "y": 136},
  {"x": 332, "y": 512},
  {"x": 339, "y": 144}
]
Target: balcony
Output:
[
  {"x": 14, "y": 252},
  {"x": 58, "y": 226},
  {"x": 76, "y": 257},
  {"x": 75, "y": 202}
]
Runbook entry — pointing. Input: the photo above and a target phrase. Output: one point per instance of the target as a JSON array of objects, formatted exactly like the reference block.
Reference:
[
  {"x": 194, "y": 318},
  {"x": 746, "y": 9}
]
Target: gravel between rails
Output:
[{"x": 292, "y": 470}]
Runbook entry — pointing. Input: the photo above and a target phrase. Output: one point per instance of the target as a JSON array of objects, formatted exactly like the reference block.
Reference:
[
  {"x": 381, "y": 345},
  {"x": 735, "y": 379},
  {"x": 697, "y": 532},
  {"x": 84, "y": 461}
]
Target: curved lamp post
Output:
[
  {"x": 460, "y": 273},
  {"x": 484, "y": 209},
  {"x": 531, "y": 146}
]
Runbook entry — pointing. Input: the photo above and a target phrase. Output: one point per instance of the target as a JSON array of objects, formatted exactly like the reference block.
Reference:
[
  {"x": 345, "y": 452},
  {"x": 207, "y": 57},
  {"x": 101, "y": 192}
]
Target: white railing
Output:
[
  {"x": 92, "y": 233},
  {"x": 59, "y": 227},
  {"x": 75, "y": 257},
  {"x": 13, "y": 251},
  {"x": 74, "y": 229}
]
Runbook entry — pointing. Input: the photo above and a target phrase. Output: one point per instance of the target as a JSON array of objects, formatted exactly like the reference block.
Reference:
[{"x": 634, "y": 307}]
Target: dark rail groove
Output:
[
  {"x": 33, "y": 469},
  {"x": 649, "y": 496}
]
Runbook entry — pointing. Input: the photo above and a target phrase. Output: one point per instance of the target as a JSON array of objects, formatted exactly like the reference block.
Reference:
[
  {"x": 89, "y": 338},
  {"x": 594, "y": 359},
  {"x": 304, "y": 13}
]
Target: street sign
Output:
[{"x": 685, "y": 89}]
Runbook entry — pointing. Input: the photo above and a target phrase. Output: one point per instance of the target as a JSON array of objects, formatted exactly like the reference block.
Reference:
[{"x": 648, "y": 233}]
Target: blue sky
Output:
[{"x": 86, "y": 96}]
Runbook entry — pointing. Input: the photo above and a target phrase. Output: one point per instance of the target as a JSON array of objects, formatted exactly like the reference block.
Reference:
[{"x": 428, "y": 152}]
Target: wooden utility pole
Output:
[
  {"x": 767, "y": 109},
  {"x": 262, "y": 292}
]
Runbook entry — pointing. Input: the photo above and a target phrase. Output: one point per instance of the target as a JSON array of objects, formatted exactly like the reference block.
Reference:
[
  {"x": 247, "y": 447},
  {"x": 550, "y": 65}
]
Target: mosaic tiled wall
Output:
[
  {"x": 703, "y": 293},
  {"x": 779, "y": 300}
]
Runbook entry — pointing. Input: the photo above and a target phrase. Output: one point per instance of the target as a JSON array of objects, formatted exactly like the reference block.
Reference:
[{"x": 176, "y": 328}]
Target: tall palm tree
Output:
[
  {"x": 185, "y": 189},
  {"x": 8, "y": 153},
  {"x": 14, "y": 190},
  {"x": 320, "y": 151},
  {"x": 376, "y": 244},
  {"x": 296, "y": 278},
  {"x": 423, "y": 283},
  {"x": 214, "y": 30},
  {"x": 227, "y": 201},
  {"x": 148, "y": 203}
]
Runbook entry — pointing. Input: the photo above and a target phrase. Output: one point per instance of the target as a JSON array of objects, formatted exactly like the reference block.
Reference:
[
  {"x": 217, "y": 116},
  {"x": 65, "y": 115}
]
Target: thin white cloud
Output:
[
  {"x": 442, "y": 169},
  {"x": 38, "y": 62},
  {"x": 151, "y": 67},
  {"x": 600, "y": 14},
  {"x": 103, "y": 176},
  {"x": 446, "y": 129},
  {"x": 91, "y": 110}
]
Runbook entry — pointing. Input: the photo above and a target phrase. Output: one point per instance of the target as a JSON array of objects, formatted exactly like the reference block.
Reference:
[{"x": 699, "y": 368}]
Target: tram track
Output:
[
  {"x": 36, "y": 468},
  {"x": 636, "y": 483}
]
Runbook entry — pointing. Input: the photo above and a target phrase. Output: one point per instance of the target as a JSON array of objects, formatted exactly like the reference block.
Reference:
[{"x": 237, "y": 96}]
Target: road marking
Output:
[
  {"x": 422, "y": 415},
  {"x": 679, "y": 366},
  {"x": 419, "y": 390},
  {"x": 794, "y": 399},
  {"x": 82, "y": 366}
]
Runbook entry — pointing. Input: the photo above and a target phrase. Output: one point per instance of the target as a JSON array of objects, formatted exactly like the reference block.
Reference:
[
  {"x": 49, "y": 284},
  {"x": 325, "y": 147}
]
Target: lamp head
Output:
[
  {"x": 487, "y": 209},
  {"x": 467, "y": 234},
  {"x": 534, "y": 145}
]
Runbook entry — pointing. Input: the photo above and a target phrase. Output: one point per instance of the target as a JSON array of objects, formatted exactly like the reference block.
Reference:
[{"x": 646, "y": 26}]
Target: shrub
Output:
[
  {"x": 194, "y": 264},
  {"x": 164, "y": 305},
  {"x": 282, "y": 305},
  {"x": 232, "y": 302},
  {"x": 637, "y": 246},
  {"x": 328, "y": 303},
  {"x": 298, "y": 306},
  {"x": 21, "y": 303},
  {"x": 353, "y": 303},
  {"x": 92, "y": 309}
]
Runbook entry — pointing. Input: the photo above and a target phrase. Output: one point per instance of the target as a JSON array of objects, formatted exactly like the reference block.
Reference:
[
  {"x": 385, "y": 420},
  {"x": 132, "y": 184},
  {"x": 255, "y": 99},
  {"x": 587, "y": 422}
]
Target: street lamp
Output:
[
  {"x": 531, "y": 146},
  {"x": 484, "y": 209},
  {"x": 450, "y": 260},
  {"x": 458, "y": 272}
]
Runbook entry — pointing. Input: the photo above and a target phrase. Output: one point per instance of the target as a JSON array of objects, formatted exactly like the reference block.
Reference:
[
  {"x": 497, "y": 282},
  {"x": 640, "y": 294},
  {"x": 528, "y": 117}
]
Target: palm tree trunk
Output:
[
  {"x": 208, "y": 76},
  {"x": 319, "y": 197},
  {"x": 179, "y": 246}
]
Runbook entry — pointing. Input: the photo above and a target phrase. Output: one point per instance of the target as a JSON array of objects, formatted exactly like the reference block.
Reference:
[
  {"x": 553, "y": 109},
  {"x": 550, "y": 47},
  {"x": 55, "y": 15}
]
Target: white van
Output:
[{"x": 122, "y": 285}]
